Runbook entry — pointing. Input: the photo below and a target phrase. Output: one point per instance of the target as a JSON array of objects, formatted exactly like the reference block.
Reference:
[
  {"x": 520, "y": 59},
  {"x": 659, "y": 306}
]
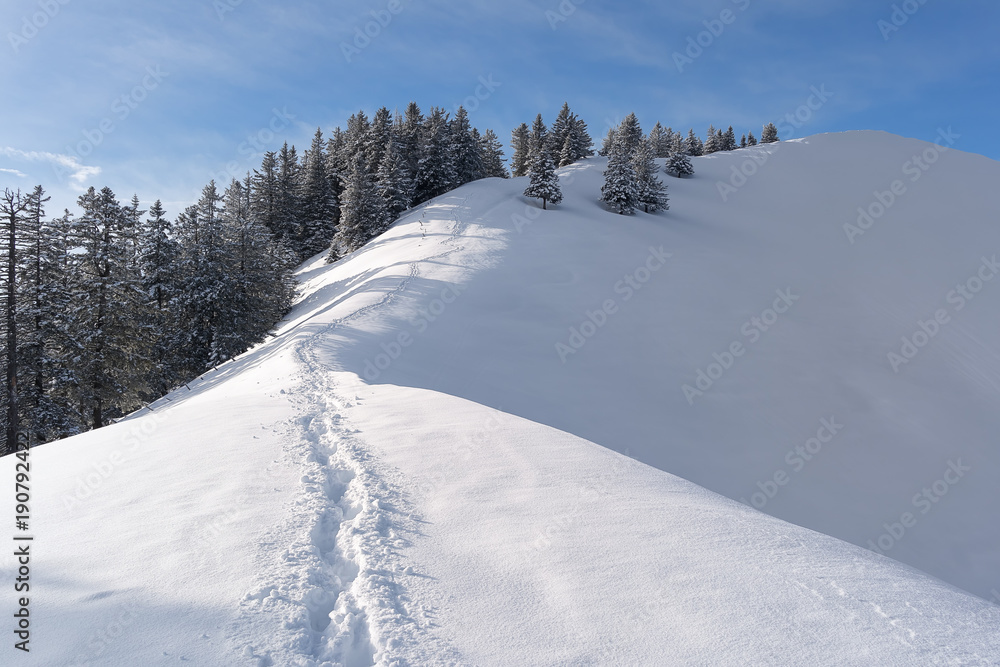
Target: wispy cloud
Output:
[
  {"x": 17, "y": 173},
  {"x": 78, "y": 173}
]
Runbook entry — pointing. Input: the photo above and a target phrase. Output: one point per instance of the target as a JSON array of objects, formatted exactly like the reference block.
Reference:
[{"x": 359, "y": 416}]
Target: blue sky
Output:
[{"x": 157, "y": 98}]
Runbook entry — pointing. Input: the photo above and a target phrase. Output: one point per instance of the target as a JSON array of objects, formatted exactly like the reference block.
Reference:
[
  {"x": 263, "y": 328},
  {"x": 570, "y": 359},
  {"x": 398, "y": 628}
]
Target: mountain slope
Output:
[{"x": 413, "y": 470}]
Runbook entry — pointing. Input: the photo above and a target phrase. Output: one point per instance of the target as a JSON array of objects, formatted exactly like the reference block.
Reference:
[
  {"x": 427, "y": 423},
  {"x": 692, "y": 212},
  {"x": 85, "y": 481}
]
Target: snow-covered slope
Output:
[{"x": 416, "y": 470}]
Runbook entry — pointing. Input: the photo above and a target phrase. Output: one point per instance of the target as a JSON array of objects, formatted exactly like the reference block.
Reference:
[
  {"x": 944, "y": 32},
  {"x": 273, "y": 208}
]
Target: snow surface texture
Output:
[{"x": 409, "y": 473}]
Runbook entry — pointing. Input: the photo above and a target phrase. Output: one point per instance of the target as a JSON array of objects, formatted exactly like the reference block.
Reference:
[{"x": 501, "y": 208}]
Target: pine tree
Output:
[
  {"x": 538, "y": 140},
  {"x": 751, "y": 140},
  {"x": 630, "y": 134},
  {"x": 743, "y": 141},
  {"x": 410, "y": 135},
  {"x": 464, "y": 148},
  {"x": 620, "y": 191},
  {"x": 491, "y": 156},
  {"x": 393, "y": 183},
  {"x": 132, "y": 219},
  {"x": 711, "y": 141},
  {"x": 288, "y": 204},
  {"x": 265, "y": 198},
  {"x": 583, "y": 144},
  {"x": 729, "y": 140},
  {"x": 376, "y": 138},
  {"x": 651, "y": 193},
  {"x": 357, "y": 138},
  {"x": 158, "y": 253},
  {"x": 46, "y": 412},
  {"x": 677, "y": 143},
  {"x": 544, "y": 183},
  {"x": 609, "y": 141},
  {"x": 258, "y": 277},
  {"x": 566, "y": 154},
  {"x": 207, "y": 288},
  {"x": 336, "y": 165},
  {"x": 560, "y": 130},
  {"x": 769, "y": 135},
  {"x": 659, "y": 139},
  {"x": 362, "y": 213},
  {"x": 679, "y": 164},
  {"x": 317, "y": 201},
  {"x": 110, "y": 327},
  {"x": 436, "y": 172},
  {"x": 521, "y": 146},
  {"x": 693, "y": 145},
  {"x": 13, "y": 208}
]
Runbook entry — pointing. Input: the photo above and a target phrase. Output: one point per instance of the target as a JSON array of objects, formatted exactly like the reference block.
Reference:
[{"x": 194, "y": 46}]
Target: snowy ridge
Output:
[{"x": 408, "y": 474}]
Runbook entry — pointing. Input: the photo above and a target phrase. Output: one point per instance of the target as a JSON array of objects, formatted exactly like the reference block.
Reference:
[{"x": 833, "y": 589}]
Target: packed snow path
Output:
[{"x": 398, "y": 476}]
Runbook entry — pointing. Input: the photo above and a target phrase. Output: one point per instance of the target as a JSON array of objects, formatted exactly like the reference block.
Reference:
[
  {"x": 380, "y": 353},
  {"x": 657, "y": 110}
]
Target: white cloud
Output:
[
  {"x": 17, "y": 173},
  {"x": 78, "y": 173}
]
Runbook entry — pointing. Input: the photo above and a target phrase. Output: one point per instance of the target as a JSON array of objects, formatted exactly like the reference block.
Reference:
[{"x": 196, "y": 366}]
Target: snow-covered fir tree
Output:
[
  {"x": 464, "y": 147},
  {"x": 751, "y": 140},
  {"x": 544, "y": 183},
  {"x": 265, "y": 197},
  {"x": 630, "y": 133},
  {"x": 651, "y": 193},
  {"x": 538, "y": 139},
  {"x": 436, "y": 173},
  {"x": 363, "y": 212},
  {"x": 769, "y": 135},
  {"x": 560, "y": 130},
  {"x": 287, "y": 204},
  {"x": 393, "y": 183},
  {"x": 566, "y": 156},
  {"x": 110, "y": 328},
  {"x": 620, "y": 191},
  {"x": 317, "y": 212},
  {"x": 711, "y": 141},
  {"x": 679, "y": 164},
  {"x": 659, "y": 139},
  {"x": 491, "y": 155},
  {"x": 729, "y": 140},
  {"x": 583, "y": 144},
  {"x": 608, "y": 142},
  {"x": 520, "y": 144},
  {"x": 693, "y": 145}
]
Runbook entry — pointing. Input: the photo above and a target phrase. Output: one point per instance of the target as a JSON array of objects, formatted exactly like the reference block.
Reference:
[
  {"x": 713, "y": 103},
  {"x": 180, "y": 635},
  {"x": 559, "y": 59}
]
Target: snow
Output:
[{"x": 410, "y": 473}]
